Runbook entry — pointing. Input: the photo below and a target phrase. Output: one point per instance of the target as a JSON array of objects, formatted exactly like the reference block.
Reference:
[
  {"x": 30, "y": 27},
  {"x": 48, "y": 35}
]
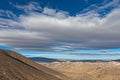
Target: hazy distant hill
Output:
[
  {"x": 14, "y": 66},
  {"x": 41, "y": 59}
]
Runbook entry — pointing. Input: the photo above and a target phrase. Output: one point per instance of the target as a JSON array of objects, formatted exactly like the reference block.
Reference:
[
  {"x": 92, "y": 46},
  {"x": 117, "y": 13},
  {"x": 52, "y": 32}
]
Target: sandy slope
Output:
[
  {"x": 14, "y": 66},
  {"x": 87, "y": 70}
]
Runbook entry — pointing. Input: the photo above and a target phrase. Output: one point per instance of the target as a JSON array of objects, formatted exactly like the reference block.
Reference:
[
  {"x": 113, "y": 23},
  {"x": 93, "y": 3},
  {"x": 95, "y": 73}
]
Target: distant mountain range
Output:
[{"x": 42, "y": 59}]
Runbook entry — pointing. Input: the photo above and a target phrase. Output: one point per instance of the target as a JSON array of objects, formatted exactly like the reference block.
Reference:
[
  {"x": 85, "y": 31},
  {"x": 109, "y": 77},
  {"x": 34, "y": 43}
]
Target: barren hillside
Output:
[{"x": 14, "y": 66}]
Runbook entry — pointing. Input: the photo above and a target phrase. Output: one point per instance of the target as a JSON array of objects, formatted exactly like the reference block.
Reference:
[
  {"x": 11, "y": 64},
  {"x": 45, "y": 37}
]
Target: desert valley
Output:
[
  {"x": 14, "y": 66},
  {"x": 87, "y": 70}
]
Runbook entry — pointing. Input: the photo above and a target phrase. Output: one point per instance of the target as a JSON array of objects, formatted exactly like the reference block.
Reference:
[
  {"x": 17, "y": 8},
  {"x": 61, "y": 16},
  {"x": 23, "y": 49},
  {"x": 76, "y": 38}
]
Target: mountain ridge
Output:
[{"x": 14, "y": 66}]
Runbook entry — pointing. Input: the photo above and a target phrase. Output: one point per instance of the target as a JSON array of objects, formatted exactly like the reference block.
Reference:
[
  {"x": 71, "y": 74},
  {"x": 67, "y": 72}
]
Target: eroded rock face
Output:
[
  {"x": 14, "y": 66},
  {"x": 87, "y": 70}
]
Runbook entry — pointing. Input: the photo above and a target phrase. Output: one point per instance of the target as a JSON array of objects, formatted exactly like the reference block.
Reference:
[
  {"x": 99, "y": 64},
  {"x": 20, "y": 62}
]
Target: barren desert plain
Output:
[{"x": 87, "y": 70}]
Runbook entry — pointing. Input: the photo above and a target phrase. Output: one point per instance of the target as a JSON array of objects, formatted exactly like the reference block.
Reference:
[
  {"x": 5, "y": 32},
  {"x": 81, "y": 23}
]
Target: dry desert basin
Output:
[{"x": 87, "y": 70}]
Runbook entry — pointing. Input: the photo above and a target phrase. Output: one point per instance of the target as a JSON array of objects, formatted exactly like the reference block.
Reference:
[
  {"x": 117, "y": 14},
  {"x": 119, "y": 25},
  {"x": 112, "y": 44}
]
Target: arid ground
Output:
[{"x": 87, "y": 70}]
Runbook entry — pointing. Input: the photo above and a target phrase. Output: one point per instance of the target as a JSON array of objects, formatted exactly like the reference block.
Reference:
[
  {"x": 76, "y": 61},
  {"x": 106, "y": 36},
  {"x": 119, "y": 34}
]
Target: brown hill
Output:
[
  {"x": 87, "y": 70},
  {"x": 14, "y": 66}
]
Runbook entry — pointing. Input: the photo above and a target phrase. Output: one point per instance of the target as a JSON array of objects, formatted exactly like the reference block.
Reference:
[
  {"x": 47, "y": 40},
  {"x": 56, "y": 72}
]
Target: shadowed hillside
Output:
[{"x": 14, "y": 66}]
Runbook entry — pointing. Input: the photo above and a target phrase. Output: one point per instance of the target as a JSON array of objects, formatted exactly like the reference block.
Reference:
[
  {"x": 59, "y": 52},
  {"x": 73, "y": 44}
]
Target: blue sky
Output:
[
  {"x": 62, "y": 29},
  {"x": 73, "y": 6}
]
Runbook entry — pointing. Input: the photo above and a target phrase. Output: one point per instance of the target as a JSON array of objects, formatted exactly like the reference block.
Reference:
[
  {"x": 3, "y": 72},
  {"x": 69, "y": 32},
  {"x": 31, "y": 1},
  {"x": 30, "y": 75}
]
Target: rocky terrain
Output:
[
  {"x": 14, "y": 66},
  {"x": 87, "y": 70}
]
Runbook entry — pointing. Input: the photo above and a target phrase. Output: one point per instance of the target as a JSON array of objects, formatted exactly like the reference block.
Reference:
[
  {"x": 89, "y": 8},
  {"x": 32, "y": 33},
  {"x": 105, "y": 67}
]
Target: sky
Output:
[{"x": 61, "y": 29}]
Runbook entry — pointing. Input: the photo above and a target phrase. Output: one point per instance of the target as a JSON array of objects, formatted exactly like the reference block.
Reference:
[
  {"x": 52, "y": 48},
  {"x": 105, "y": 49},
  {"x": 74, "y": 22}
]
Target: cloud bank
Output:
[{"x": 56, "y": 30}]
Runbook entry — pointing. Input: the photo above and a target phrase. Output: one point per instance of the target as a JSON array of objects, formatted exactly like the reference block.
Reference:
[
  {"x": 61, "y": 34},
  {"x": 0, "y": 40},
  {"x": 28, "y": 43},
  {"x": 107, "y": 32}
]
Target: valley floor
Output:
[{"x": 87, "y": 70}]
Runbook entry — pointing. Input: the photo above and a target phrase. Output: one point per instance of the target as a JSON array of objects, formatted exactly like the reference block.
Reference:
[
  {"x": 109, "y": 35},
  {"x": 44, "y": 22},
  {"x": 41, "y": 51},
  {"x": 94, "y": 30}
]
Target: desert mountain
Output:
[{"x": 14, "y": 66}]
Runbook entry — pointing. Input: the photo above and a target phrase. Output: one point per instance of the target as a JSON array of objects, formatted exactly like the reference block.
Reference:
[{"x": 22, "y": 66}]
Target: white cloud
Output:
[
  {"x": 7, "y": 13},
  {"x": 55, "y": 13},
  {"x": 103, "y": 7},
  {"x": 51, "y": 29},
  {"x": 113, "y": 3},
  {"x": 32, "y": 6}
]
